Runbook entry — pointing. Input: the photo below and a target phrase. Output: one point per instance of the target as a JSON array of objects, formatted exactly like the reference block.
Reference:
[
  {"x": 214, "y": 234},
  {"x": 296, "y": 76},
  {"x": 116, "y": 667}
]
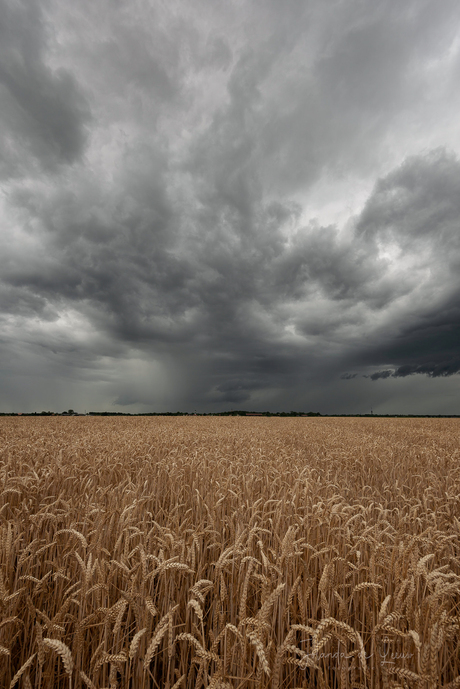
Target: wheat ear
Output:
[
  {"x": 64, "y": 652},
  {"x": 177, "y": 684},
  {"x": 21, "y": 671},
  {"x": 135, "y": 642},
  {"x": 87, "y": 680},
  {"x": 160, "y": 631}
]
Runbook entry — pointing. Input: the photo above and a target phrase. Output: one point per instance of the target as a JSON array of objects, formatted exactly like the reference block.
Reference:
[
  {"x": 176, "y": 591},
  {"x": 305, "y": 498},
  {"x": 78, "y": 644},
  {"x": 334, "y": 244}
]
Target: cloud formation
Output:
[
  {"x": 44, "y": 111},
  {"x": 240, "y": 205}
]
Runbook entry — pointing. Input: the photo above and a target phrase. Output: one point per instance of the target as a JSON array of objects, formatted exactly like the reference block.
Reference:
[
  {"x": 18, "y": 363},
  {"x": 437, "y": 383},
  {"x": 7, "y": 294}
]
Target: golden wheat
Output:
[{"x": 229, "y": 552}]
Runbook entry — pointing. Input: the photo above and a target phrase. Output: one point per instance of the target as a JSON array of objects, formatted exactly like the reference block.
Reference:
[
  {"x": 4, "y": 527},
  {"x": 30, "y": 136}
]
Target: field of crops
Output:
[{"x": 229, "y": 553}]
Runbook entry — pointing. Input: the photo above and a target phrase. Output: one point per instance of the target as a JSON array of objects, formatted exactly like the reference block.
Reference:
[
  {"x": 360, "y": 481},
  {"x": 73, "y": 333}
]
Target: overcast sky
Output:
[{"x": 215, "y": 205}]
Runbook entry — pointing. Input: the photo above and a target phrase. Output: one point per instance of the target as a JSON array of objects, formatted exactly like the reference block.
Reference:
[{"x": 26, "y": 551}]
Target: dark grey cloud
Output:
[
  {"x": 44, "y": 110},
  {"x": 349, "y": 376},
  {"x": 432, "y": 369},
  {"x": 415, "y": 211},
  {"x": 235, "y": 205},
  {"x": 387, "y": 373},
  {"x": 418, "y": 202}
]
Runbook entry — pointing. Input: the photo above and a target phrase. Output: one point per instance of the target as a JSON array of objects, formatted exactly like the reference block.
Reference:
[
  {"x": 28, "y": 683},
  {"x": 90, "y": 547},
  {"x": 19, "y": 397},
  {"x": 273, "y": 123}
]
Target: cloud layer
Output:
[{"x": 243, "y": 205}]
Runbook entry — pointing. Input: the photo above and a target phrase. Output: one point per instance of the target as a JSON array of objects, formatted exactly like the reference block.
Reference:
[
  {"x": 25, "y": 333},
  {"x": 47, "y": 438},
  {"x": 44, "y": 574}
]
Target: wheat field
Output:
[{"x": 229, "y": 552}]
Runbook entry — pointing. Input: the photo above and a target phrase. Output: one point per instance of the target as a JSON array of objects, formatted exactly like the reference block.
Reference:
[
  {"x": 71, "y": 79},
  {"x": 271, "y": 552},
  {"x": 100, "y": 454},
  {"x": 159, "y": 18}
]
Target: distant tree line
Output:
[{"x": 235, "y": 412}]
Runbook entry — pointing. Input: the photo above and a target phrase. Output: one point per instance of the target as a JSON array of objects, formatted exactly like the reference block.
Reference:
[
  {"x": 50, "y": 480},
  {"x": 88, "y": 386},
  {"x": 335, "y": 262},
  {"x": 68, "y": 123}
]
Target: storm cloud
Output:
[{"x": 230, "y": 205}]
